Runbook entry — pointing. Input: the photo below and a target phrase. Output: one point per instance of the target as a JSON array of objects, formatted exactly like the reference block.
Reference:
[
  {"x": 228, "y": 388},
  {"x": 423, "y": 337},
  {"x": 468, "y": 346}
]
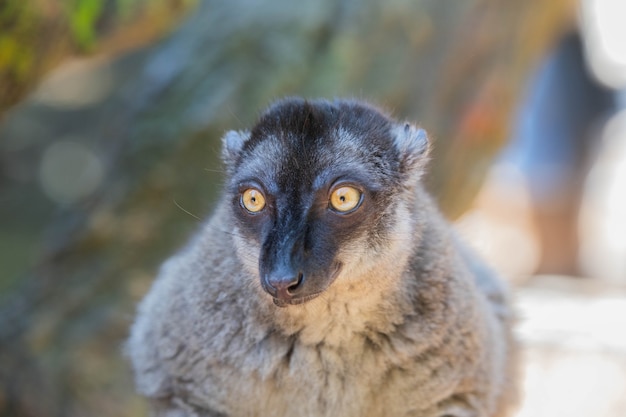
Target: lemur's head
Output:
[{"x": 321, "y": 191}]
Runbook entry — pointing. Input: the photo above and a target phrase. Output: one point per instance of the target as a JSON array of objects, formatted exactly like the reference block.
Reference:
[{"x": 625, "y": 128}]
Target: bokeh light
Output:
[{"x": 69, "y": 171}]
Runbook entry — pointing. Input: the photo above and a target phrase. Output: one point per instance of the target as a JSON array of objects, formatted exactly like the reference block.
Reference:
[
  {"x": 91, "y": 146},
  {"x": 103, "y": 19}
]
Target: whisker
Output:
[
  {"x": 235, "y": 115},
  {"x": 186, "y": 211},
  {"x": 226, "y": 232},
  {"x": 215, "y": 171}
]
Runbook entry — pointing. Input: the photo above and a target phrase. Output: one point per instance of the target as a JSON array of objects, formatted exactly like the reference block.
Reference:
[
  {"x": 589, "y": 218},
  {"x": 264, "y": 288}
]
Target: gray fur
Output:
[
  {"x": 232, "y": 143},
  {"x": 413, "y": 325}
]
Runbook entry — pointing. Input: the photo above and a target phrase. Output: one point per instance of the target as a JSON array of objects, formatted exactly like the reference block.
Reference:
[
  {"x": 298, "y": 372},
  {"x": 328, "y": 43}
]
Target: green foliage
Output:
[
  {"x": 83, "y": 16},
  {"x": 36, "y": 35},
  {"x": 17, "y": 22}
]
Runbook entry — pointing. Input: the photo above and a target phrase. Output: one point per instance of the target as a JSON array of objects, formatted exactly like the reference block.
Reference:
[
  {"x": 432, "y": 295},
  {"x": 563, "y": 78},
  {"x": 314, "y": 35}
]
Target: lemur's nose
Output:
[{"x": 283, "y": 286}]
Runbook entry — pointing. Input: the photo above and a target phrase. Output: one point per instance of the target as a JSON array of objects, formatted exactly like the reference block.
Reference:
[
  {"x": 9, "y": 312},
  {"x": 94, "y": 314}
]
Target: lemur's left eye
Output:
[
  {"x": 345, "y": 198},
  {"x": 253, "y": 200}
]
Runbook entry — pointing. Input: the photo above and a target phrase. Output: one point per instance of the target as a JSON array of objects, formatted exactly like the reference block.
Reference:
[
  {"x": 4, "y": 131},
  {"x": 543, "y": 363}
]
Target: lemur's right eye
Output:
[
  {"x": 345, "y": 198},
  {"x": 252, "y": 200}
]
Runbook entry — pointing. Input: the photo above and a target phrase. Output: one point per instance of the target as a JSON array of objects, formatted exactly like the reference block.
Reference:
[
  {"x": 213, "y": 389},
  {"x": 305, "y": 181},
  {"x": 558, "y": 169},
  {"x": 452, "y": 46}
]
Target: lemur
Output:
[{"x": 325, "y": 283}]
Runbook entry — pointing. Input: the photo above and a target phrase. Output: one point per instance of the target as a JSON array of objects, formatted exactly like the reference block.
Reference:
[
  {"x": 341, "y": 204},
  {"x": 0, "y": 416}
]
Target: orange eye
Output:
[
  {"x": 253, "y": 200},
  {"x": 345, "y": 198}
]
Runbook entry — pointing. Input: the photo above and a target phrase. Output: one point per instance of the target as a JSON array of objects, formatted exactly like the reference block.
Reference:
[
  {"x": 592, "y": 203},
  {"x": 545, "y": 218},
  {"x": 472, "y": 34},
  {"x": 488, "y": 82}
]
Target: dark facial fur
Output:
[{"x": 296, "y": 155}]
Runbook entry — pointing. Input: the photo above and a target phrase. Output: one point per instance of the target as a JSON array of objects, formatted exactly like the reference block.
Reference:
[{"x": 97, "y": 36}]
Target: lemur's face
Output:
[{"x": 313, "y": 189}]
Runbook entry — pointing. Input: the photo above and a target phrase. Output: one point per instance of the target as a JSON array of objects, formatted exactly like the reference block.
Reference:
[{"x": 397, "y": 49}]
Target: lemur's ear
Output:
[
  {"x": 413, "y": 145},
  {"x": 232, "y": 143}
]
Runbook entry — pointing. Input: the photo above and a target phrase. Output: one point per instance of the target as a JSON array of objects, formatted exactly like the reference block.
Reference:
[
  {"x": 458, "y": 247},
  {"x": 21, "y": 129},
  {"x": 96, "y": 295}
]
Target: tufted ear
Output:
[
  {"x": 413, "y": 145},
  {"x": 232, "y": 143}
]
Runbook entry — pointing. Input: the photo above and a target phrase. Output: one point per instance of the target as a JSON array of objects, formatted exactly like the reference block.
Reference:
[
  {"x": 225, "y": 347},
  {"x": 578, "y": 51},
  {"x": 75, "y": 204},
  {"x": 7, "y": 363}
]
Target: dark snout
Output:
[
  {"x": 291, "y": 281},
  {"x": 289, "y": 286},
  {"x": 284, "y": 284},
  {"x": 294, "y": 266}
]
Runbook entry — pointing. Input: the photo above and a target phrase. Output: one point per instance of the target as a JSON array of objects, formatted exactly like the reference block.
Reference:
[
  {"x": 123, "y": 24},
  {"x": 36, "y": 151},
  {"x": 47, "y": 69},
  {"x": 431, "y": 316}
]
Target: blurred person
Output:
[{"x": 553, "y": 140}]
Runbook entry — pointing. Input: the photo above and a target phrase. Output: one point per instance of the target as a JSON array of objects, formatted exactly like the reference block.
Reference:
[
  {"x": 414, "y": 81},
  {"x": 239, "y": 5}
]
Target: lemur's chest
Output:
[
  {"x": 332, "y": 361},
  {"x": 280, "y": 377},
  {"x": 295, "y": 380}
]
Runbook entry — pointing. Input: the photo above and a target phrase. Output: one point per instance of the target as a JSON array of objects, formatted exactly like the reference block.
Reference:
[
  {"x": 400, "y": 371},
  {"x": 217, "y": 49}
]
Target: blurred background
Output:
[{"x": 111, "y": 113}]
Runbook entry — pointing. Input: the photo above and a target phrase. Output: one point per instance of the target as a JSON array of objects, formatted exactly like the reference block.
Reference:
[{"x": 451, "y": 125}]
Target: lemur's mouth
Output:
[{"x": 295, "y": 301}]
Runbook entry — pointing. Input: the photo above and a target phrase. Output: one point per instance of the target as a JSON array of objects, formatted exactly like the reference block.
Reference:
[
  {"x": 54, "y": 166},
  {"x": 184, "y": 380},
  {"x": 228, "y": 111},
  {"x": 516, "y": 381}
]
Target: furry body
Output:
[{"x": 394, "y": 317}]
